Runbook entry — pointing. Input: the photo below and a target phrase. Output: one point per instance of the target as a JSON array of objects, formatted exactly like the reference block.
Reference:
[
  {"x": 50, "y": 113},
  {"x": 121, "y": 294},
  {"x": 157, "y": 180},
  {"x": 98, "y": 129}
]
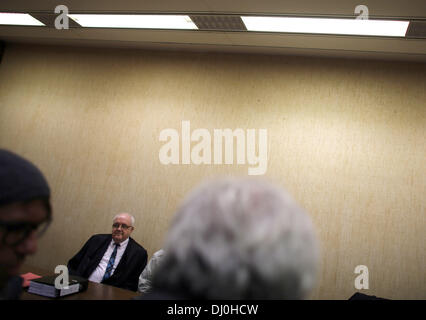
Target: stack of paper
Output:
[{"x": 45, "y": 286}]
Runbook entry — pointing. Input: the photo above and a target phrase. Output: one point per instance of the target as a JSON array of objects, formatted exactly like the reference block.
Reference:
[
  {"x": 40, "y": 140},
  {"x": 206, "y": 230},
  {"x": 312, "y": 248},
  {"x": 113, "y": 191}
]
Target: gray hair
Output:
[
  {"x": 132, "y": 218},
  {"x": 240, "y": 239}
]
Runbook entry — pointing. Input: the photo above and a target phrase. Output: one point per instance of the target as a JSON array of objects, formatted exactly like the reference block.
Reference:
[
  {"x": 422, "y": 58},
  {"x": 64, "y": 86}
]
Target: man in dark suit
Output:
[{"x": 114, "y": 259}]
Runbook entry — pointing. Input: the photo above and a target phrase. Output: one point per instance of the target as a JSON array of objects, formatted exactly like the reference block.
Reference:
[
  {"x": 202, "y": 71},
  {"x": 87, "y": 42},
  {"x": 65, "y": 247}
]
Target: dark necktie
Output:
[{"x": 110, "y": 263}]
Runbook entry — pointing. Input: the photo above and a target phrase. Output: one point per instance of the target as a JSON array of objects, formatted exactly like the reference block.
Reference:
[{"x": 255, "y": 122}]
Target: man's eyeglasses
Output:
[
  {"x": 123, "y": 226},
  {"x": 16, "y": 232}
]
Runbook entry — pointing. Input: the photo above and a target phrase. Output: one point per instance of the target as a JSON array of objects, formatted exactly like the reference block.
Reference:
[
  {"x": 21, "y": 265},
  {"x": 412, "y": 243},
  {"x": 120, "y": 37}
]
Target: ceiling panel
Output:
[
  {"x": 394, "y": 8},
  {"x": 250, "y": 42}
]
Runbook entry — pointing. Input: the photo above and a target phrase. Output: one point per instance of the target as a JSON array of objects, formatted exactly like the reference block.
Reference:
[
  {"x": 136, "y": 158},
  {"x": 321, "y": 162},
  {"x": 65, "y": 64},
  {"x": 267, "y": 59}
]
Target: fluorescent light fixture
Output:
[
  {"x": 19, "y": 19},
  {"x": 138, "y": 21},
  {"x": 387, "y": 28}
]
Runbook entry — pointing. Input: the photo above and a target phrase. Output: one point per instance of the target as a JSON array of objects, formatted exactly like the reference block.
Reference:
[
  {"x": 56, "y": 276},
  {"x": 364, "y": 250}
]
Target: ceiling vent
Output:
[
  {"x": 218, "y": 22},
  {"x": 416, "y": 30},
  {"x": 49, "y": 20}
]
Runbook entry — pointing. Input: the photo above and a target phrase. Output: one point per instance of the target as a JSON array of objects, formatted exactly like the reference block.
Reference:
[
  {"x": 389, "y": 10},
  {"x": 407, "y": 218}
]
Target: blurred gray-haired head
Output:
[{"x": 240, "y": 238}]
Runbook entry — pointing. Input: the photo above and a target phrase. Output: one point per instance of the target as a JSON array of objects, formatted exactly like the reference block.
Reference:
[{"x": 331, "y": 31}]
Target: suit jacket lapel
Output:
[{"x": 99, "y": 253}]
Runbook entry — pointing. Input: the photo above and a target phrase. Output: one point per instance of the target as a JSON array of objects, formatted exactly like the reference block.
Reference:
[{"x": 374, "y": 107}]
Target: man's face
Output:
[
  {"x": 17, "y": 215},
  {"x": 121, "y": 228}
]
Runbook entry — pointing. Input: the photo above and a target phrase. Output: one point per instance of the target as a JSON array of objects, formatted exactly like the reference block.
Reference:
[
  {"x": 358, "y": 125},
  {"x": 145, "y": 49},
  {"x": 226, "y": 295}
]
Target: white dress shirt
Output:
[
  {"x": 146, "y": 276},
  {"x": 99, "y": 272}
]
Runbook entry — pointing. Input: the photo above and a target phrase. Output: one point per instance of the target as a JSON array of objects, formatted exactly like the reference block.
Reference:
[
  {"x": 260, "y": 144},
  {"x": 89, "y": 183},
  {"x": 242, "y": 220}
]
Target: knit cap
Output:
[{"x": 20, "y": 180}]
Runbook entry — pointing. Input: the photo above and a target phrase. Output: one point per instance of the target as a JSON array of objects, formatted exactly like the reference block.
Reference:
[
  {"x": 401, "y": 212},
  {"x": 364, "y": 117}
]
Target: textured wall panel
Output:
[{"x": 346, "y": 138}]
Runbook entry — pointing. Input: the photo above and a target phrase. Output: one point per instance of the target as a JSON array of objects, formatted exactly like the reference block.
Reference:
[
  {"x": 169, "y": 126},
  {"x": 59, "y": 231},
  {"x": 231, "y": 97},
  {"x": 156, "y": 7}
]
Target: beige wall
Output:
[{"x": 346, "y": 138}]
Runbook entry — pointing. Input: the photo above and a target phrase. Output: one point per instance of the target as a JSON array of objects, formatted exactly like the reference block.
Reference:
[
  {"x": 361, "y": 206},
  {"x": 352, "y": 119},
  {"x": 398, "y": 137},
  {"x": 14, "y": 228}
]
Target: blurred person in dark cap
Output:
[{"x": 25, "y": 213}]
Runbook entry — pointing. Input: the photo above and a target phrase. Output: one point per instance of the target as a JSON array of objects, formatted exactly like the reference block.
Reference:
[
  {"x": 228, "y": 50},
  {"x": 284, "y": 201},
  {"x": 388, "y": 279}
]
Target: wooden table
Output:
[{"x": 95, "y": 291}]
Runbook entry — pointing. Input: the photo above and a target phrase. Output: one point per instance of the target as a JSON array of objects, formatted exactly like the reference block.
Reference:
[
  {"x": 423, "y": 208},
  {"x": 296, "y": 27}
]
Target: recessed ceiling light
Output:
[
  {"x": 388, "y": 28},
  {"x": 139, "y": 21},
  {"x": 19, "y": 19}
]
